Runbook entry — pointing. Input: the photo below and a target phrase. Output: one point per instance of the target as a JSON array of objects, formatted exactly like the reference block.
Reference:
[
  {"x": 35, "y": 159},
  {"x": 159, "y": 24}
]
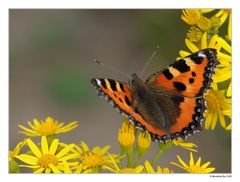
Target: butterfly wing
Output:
[
  {"x": 116, "y": 92},
  {"x": 190, "y": 76},
  {"x": 119, "y": 94},
  {"x": 188, "y": 79}
]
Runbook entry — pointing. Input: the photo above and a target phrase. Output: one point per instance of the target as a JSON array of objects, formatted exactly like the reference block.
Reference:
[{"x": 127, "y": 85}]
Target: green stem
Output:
[
  {"x": 162, "y": 148},
  {"x": 138, "y": 160},
  {"x": 129, "y": 159},
  {"x": 121, "y": 160},
  {"x": 50, "y": 138}
]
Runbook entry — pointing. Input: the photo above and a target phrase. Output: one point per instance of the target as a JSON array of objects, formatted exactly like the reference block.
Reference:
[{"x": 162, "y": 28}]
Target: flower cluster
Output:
[
  {"x": 49, "y": 155},
  {"x": 211, "y": 28}
]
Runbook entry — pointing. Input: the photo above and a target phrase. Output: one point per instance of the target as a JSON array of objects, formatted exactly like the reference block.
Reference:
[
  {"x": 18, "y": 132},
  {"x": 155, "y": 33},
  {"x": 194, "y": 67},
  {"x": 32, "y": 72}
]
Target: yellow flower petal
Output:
[
  {"x": 222, "y": 119},
  {"x": 229, "y": 90},
  {"x": 206, "y": 165},
  {"x": 210, "y": 169},
  {"x": 44, "y": 145},
  {"x": 148, "y": 167},
  {"x": 184, "y": 53},
  {"x": 65, "y": 151},
  {"x": 54, "y": 146},
  {"x": 29, "y": 166},
  {"x": 28, "y": 159},
  {"x": 105, "y": 149},
  {"x": 54, "y": 169},
  {"x": 208, "y": 121},
  {"x": 84, "y": 146},
  {"x": 67, "y": 157},
  {"x": 229, "y": 127},
  {"x": 214, "y": 120},
  {"x": 192, "y": 47},
  {"x": 204, "y": 41},
  {"x": 31, "y": 125},
  {"x": 225, "y": 45},
  {"x": 191, "y": 162},
  {"x": 40, "y": 170},
  {"x": 33, "y": 147},
  {"x": 198, "y": 161},
  {"x": 213, "y": 41},
  {"x": 48, "y": 170},
  {"x": 26, "y": 129},
  {"x": 181, "y": 161}
]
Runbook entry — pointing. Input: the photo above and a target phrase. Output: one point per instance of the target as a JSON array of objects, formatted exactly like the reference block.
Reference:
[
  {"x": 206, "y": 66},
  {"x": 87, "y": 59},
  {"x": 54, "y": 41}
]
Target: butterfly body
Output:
[
  {"x": 170, "y": 103},
  {"x": 153, "y": 103}
]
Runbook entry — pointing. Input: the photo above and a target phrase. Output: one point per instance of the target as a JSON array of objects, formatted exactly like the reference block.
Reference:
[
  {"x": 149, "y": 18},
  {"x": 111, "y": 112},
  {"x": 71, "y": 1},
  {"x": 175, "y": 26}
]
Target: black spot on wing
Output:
[
  {"x": 196, "y": 59},
  {"x": 113, "y": 84},
  {"x": 167, "y": 74},
  {"x": 179, "y": 86},
  {"x": 127, "y": 101},
  {"x": 181, "y": 66},
  {"x": 191, "y": 80},
  {"x": 194, "y": 74},
  {"x": 121, "y": 87}
]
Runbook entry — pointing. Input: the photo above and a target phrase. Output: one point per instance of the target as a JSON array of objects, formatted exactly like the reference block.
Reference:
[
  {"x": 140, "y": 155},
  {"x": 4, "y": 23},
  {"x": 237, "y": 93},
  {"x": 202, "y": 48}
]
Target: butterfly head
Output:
[{"x": 136, "y": 81}]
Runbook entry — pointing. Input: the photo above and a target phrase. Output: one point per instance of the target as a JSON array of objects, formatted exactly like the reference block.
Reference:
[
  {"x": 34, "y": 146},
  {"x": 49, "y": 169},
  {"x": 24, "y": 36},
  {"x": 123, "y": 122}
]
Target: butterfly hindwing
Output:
[{"x": 190, "y": 76}]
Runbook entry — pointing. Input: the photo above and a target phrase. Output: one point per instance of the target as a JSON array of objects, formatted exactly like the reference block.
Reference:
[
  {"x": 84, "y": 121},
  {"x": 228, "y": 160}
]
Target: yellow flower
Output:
[
  {"x": 223, "y": 14},
  {"x": 92, "y": 161},
  {"x": 144, "y": 142},
  {"x": 13, "y": 153},
  {"x": 217, "y": 105},
  {"x": 149, "y": 169},
  {"x": 223, "y": 72},
  {"x": 204, "y": 23},
  {"x": 13, "y": 165},
  {"x": 194, "y": 167},
  {"x": 194, "y": 34},
  {"x": 191, "y": 16},
  {"x": 47, "y": 159},
  {"x": 48, "y": 127},
  {"x": 215, "y": 42},
  {"x": 126, "y": 135},
  {"x": 189, "y": 146}
]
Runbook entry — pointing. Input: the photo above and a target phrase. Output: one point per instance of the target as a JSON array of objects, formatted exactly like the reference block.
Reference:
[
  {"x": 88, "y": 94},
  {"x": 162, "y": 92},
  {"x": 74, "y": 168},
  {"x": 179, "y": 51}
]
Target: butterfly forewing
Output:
[{"x": 190, "y": 76}]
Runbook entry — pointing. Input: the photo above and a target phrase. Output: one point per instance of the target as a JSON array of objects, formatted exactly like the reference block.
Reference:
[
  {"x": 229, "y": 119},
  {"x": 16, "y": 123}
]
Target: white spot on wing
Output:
[
  {"x": 201, "y": 54},
  {"x": 99, "y": 82}
]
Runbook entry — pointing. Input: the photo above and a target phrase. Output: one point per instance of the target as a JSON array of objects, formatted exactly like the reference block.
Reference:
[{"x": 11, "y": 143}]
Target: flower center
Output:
[
  {"x": 90, "y": 159},
  {"x": 213, "y": 103},
  {"x": 47, "y": 128},
  {"x": 47, "y": 159},
  {"x": 196, "y": 169}
]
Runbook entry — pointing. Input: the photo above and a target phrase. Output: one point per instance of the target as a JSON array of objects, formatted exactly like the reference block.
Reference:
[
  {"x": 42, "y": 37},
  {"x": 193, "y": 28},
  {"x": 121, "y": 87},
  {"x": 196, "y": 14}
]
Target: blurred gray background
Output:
[{"x": 51, "y": 55}]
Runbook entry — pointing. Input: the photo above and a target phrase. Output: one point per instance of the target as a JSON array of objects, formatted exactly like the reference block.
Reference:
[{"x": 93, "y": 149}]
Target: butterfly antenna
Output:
[
  {"x": 149, "y": 61},
  {"x": 111, "y": 68}
]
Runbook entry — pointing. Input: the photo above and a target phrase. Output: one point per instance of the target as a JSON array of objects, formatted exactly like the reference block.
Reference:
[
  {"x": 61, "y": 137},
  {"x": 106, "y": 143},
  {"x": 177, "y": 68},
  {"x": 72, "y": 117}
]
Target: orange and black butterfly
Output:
[{"x": 170, "y": 103}]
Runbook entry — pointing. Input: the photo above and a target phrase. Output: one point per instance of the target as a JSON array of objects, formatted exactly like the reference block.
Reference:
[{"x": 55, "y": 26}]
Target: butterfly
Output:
[{"x": 170, "y": 104}]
